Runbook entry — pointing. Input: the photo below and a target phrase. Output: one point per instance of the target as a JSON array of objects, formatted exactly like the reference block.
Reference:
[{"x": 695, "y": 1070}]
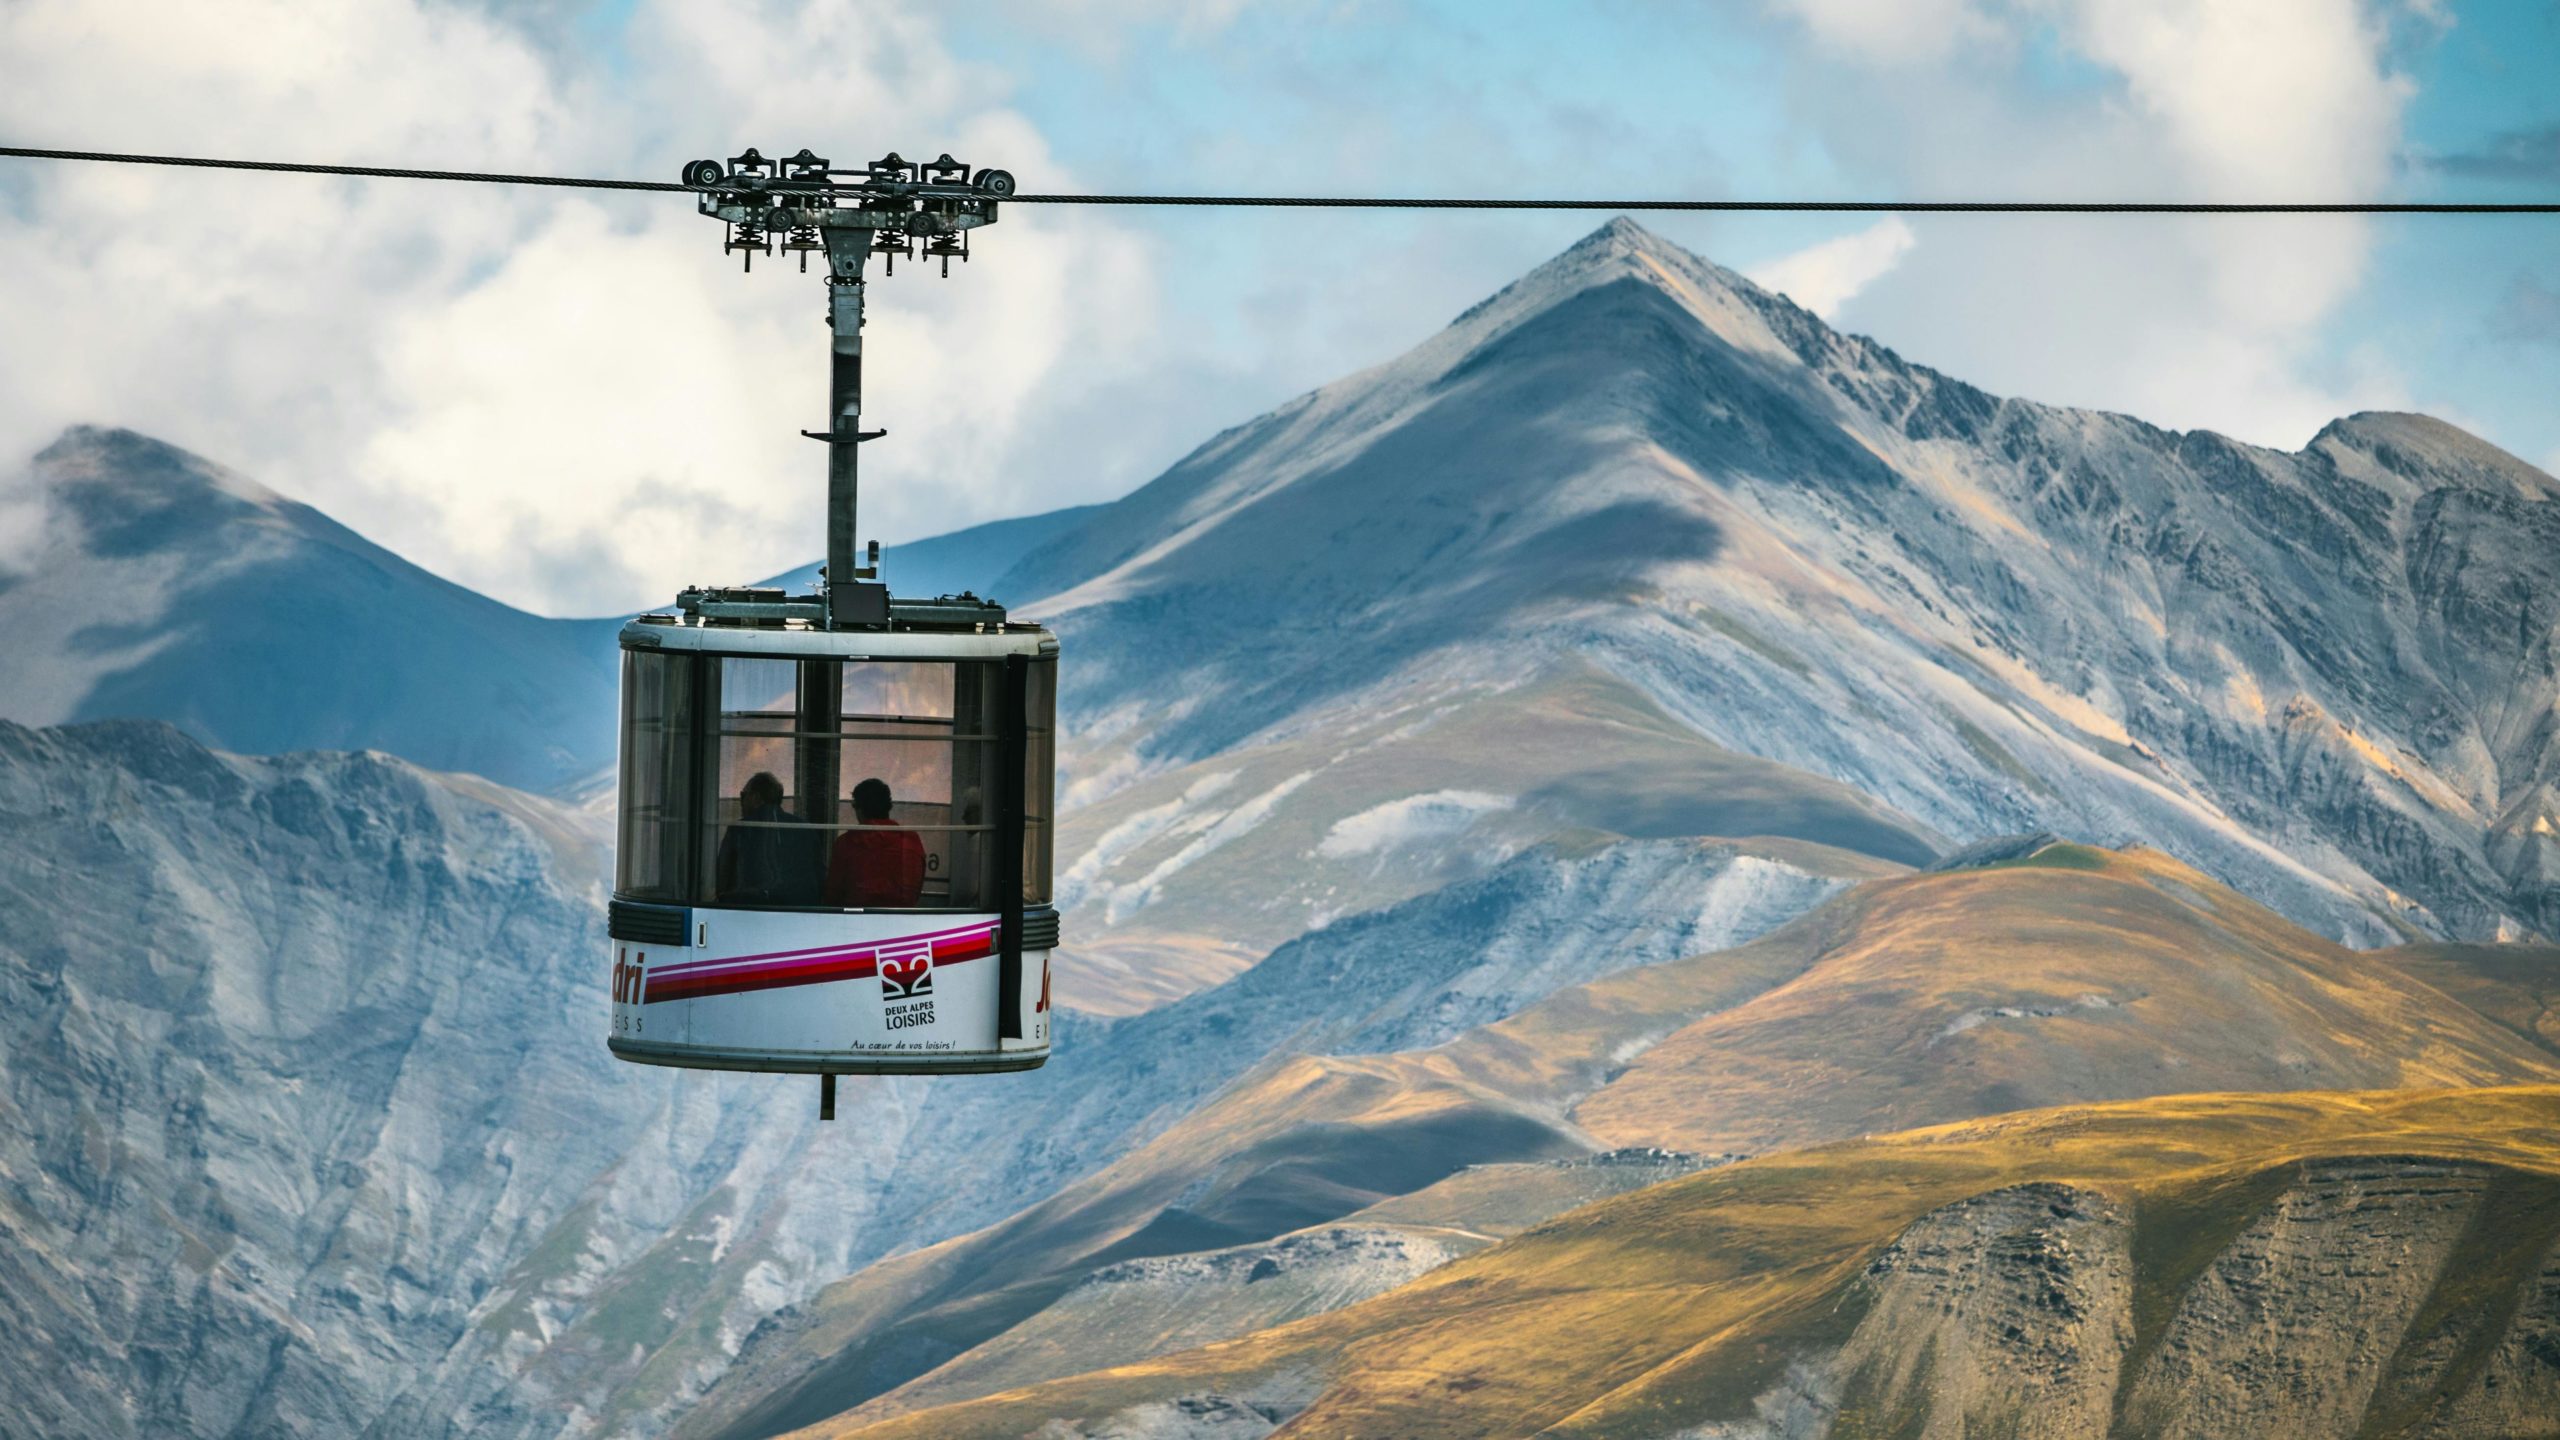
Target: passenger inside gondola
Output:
[
  {"x": 876, "y": 864},
  {"x": 761, "y": 863}
]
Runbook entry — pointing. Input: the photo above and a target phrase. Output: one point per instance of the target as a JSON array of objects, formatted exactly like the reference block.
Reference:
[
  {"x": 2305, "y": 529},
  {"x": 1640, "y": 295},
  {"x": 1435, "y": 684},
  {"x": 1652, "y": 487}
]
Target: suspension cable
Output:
[{"x": 1408, "y": 202}]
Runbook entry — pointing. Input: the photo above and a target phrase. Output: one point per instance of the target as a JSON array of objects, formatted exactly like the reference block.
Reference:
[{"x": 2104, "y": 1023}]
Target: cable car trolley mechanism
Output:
[{"x": 834, "y": 844}]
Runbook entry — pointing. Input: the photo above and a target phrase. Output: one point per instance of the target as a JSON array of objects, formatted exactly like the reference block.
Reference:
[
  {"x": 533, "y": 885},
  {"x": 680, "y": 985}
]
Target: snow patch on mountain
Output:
[
  {"x": 1413, "y": 820},
  {"x": 1240, "y": 821},
  {"x": 1082, "y": 880}
]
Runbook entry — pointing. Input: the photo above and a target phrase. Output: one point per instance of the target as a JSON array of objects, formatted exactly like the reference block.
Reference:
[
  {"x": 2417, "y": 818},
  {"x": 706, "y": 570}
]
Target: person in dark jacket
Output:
[
  {"x": 876, "y": 863},
  {"x": 762, "y": 866}
]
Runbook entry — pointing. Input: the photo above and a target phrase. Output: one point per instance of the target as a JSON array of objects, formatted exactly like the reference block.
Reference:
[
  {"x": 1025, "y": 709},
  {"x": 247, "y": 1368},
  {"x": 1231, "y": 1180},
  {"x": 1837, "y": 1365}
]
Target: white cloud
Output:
[
  {"x": 2283, "y": 98},
  {"x": 25, "y": 521},
  {"x": 2212, "y": 323},
  {"x": 1822, "y": 277},
  {"x": 1895, "y": 32},
  {"x": 570, "y": 401},
  {"x": 575, "y": 402}
]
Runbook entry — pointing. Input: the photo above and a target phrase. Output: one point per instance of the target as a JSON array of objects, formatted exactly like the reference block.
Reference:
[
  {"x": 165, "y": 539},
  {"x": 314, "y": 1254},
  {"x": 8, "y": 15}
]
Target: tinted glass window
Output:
[
  {"x": 1039, "y": 776},
  {"x": 659, "y": 735},
  {"x": 914, "y": 818},
  {"x": 857, "y": 784},
  {"x": 762, "y": 783},
  {"x": 764, "y": 835}
]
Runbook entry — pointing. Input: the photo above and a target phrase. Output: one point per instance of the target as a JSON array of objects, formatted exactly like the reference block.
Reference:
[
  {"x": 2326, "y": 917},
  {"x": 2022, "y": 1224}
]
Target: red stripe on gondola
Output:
[
  {"x": 724, "y": 961},
  {"x": 745, "y": 974}
]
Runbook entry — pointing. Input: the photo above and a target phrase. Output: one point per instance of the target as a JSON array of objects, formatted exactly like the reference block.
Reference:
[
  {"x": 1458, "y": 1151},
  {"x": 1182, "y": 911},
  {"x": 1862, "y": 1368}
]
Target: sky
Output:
[{"x": 575, "y": 403}]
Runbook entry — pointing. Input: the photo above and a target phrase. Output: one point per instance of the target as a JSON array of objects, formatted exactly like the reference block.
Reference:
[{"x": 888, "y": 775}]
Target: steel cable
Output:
[{"x": 1345, "y": 202}]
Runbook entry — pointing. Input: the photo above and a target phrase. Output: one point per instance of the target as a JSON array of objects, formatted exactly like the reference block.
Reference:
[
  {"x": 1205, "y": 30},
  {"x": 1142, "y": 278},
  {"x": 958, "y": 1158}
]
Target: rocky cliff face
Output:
[
  {"x": 2330, "y": 1313},
  {"x": 2021, "y": 1291},
  {"x": 284, "y": 1079},
  {"x": 308, "y": 1129},
  {"x": 2320, "y": 1265}
]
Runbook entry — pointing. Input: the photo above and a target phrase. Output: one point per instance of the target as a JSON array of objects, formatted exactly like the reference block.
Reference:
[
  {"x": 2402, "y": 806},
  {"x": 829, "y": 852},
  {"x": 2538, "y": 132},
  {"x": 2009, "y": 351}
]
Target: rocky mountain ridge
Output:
[
  {"x": 1810, "y": 550},
  {"x": 167, "y": 587},
  {"x": 170, "y": 588}
]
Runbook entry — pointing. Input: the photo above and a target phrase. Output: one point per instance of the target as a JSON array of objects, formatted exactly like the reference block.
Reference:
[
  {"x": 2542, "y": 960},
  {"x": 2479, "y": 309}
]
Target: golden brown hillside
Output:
[
  {"x": 2311, "y": 1264},
  {"x": 1312, "y": 1144},
  {"x": 1134, "y": 1309},
  {"x": 2078, "y": 975},
  {"x": 2516, "y": 985}
]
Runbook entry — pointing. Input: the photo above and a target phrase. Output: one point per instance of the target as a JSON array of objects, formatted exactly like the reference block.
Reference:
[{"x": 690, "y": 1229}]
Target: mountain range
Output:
[
  {"x": 1635, "y": 468},
  {"x": 171, "y": 588},
  {"x": 1633, "y": 770},
  {"x": 2062, "y": 975}
]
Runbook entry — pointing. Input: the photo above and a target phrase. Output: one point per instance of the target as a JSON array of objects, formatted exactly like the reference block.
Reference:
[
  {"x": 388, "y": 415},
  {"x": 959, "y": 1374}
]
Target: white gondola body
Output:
[
  {"x": 808, "y": 987},
  {"x": 792, "y": 991}
]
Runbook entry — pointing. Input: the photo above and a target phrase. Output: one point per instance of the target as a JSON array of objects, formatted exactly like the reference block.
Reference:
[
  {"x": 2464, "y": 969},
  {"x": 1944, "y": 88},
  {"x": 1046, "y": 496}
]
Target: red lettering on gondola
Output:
[{"x": 627, "y": 976}]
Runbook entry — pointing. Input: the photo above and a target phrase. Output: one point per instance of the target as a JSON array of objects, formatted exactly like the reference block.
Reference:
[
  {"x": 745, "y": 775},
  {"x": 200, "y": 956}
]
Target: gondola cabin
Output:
[
  {"x": 834, "y": 845},
  {"x": 833, "y": 848}
]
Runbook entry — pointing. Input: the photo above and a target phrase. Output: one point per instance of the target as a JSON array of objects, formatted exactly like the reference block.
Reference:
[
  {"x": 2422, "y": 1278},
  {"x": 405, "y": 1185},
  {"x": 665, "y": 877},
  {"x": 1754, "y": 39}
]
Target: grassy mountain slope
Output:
[
  {"x": 1728, "y": 1297},
  {"x": 1310, "y": 1147},
  {"x": 2516, "y": 985},
  {"x": 2075, "y": 975},
  {"x": 1915, "y": 1000},
  {"x": 1135, "y": 1309}
]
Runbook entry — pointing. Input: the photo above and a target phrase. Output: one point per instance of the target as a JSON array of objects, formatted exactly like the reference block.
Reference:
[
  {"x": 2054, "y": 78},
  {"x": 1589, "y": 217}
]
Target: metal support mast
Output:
[
  {"x": 892, "y": 208},
  {"x": 845, "y": 604}
]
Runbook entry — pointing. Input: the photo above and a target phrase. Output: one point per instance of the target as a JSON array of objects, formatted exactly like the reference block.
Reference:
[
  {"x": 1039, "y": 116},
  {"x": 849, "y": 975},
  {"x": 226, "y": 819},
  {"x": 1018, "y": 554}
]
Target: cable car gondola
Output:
[{"x": 834, "y": 834}]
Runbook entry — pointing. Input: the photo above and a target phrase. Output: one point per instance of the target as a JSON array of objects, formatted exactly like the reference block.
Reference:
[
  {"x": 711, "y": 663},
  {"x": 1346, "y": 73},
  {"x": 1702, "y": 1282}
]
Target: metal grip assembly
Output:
[{"x": 893, "y": 208}]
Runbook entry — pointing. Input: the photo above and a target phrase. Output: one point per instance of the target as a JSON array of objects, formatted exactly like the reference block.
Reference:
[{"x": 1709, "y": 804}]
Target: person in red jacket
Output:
[{"x": 876, "y": 864}]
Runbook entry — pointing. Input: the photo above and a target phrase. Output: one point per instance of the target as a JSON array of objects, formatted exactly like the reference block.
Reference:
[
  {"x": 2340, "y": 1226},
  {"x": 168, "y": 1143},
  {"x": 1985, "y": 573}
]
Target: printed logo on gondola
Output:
[{"x": 906, "y": 987}]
